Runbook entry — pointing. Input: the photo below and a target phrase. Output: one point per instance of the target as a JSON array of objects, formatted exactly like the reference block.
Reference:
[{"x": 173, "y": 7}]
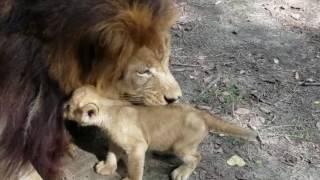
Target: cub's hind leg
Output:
[
  {"x": 190, "y": 161},
  {"x": 187, "y": 150}
]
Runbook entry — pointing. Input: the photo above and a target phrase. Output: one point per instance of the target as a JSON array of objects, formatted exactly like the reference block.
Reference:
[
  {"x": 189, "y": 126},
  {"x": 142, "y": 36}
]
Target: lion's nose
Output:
[{"x": 171, "y": 100}]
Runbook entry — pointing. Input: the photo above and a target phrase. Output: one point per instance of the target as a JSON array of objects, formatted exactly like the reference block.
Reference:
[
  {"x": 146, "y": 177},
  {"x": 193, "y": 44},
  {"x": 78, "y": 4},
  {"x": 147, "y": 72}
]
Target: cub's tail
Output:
[{"x": 218, "y": 125}]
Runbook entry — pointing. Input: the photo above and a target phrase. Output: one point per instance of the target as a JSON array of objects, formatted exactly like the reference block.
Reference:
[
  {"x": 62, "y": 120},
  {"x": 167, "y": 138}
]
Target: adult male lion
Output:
[{"x": 49, "y": 48}]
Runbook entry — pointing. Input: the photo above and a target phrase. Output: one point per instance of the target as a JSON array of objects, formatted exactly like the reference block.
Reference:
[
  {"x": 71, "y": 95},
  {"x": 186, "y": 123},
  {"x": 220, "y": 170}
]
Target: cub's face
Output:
[{"x": 147, "y": 79}]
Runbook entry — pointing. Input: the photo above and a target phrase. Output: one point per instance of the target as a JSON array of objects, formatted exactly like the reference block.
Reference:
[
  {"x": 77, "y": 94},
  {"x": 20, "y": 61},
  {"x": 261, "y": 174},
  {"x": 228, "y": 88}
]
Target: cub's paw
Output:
[
  {"x": 126, "y": 178},
  {"x": 181, "y": 173},
  {"x": 105, "y": 169}
]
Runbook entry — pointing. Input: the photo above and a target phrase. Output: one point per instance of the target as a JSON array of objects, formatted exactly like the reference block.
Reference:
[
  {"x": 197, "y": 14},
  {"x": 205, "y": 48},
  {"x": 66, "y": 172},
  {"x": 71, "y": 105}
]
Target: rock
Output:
[
  {"x": 242, "y": 72},
  {"x": 218, "y": 2},
  {"x": 297, "y": 76},
  {"x": 296, "y": 16},
  {"x": 318, "y": 125},
  {"x": 276, "y": 61}
]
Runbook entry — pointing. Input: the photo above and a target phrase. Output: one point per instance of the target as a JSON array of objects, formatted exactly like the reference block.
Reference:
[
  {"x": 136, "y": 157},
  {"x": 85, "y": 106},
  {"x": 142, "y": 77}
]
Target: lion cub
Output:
[{"x": 179, "y": 128}]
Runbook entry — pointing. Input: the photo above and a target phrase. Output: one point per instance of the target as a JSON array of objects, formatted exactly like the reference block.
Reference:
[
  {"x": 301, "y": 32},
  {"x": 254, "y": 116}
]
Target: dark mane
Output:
[
  {"x": 50, "y": 47},
  {"x": 30, "y": 108}
]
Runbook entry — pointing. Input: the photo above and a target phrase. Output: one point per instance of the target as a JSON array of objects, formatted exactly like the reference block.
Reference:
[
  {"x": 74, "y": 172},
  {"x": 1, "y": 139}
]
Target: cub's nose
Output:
[{"x": 171, "y": 100}]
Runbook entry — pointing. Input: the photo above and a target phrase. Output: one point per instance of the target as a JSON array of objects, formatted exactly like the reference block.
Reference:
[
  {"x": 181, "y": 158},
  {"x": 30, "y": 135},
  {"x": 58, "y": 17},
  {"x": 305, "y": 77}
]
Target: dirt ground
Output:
[{"x": 254, "y": 62}]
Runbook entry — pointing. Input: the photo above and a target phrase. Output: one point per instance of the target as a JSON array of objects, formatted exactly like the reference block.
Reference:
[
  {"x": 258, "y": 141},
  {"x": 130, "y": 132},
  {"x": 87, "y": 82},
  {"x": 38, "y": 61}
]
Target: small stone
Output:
[
  {"x": 226, "y": 93},
  {"x": 259, "y": 162},
  {"x": 318, "y": 125},
  {"x": 316, "y": 102},
  {"x": 218, "y": 2},
  {"x": 297, "y": 76},
  {"x": 242, "y": 72},
  {"x": 310, "y": 80},
  {"x": 296, "y": 16},
  {"x": 192, "y": 77},
  {"x": 276, "y": 61}
]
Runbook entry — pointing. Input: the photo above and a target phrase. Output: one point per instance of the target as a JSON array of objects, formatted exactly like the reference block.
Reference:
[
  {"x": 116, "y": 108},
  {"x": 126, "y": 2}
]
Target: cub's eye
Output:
[{"x": 145, "y": 72}]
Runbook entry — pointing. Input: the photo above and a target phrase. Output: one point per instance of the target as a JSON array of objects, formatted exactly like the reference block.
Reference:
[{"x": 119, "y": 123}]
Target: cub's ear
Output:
[{"x": 90, "y": 110}]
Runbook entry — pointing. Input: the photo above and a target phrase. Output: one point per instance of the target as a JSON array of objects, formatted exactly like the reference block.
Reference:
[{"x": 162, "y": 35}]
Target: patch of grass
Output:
[
  {"x": 228, "y": 96},
  {"x": 231, "y": 94}
]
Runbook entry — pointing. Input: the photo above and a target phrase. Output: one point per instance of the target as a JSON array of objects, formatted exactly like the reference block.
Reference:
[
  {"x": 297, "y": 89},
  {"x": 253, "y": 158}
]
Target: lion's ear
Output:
[{"x": 89, "y": 111}]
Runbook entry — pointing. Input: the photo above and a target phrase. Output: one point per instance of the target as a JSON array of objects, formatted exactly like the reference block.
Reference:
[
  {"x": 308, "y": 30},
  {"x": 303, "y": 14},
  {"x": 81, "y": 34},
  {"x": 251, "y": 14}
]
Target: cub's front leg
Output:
[
  {"x": 109, "y": 166},
  {"x": 136, "y": 157}
]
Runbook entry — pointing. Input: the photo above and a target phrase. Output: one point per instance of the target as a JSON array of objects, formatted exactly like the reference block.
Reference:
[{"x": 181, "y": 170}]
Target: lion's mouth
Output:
[
  {"x": 134, "y": 99},
  {"x": 147, "y": 99}
]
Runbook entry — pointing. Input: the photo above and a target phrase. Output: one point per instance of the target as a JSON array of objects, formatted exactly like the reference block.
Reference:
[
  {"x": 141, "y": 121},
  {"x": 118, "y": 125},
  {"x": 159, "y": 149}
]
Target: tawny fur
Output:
[{"x": 178, "y": 128}]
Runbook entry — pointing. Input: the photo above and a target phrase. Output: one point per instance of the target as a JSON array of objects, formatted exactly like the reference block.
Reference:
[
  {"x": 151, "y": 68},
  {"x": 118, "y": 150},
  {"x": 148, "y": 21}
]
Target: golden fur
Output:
[
  {"x": 132, "y": 42},
  {"x": 178, "y": 128}
]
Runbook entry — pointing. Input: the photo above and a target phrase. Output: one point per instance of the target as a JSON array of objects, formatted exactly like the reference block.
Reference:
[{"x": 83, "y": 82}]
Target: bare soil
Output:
[{"x": 254, "y": 62}]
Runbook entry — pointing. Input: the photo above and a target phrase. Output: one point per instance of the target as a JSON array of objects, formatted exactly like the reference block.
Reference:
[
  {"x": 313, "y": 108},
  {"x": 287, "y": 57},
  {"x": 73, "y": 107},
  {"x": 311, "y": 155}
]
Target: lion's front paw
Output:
[
  {"x": 105, "y": 169},
  {"x": 126, "y": 178},
  {"x": 181, "y": 173}
]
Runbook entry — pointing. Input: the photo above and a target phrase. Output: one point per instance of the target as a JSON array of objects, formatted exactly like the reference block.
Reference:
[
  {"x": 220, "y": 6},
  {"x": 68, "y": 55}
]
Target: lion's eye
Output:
[{"x": 145, "y": 72}]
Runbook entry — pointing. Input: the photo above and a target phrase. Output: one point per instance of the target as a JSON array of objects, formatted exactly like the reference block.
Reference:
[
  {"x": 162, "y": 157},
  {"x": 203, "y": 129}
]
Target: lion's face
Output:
[
  {"x": 125, "y": 54},
  {"x": 147, "y": 79}
]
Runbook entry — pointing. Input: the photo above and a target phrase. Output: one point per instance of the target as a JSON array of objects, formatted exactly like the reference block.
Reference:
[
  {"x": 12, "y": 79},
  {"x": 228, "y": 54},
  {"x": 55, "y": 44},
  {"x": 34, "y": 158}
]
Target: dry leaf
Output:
[{"x": 236, "y": 160}]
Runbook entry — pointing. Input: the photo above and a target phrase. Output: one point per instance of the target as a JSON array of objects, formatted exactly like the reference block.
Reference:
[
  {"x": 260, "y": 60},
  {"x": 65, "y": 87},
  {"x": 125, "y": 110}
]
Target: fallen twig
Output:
[
  {"x": 187, "y": 65},
  {"x": 309, "y": 84},
  {"x": 181, "y": 69}
]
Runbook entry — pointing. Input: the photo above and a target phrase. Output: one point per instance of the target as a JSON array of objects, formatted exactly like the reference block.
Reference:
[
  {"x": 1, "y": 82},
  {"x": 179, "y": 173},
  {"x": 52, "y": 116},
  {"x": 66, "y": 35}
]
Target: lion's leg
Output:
[
  {"x": 109, "y": 166},
  {"x": 187, "y": 150},
  {"x": 190, "y": 160},
  {"x": 136, "y": 158}
]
